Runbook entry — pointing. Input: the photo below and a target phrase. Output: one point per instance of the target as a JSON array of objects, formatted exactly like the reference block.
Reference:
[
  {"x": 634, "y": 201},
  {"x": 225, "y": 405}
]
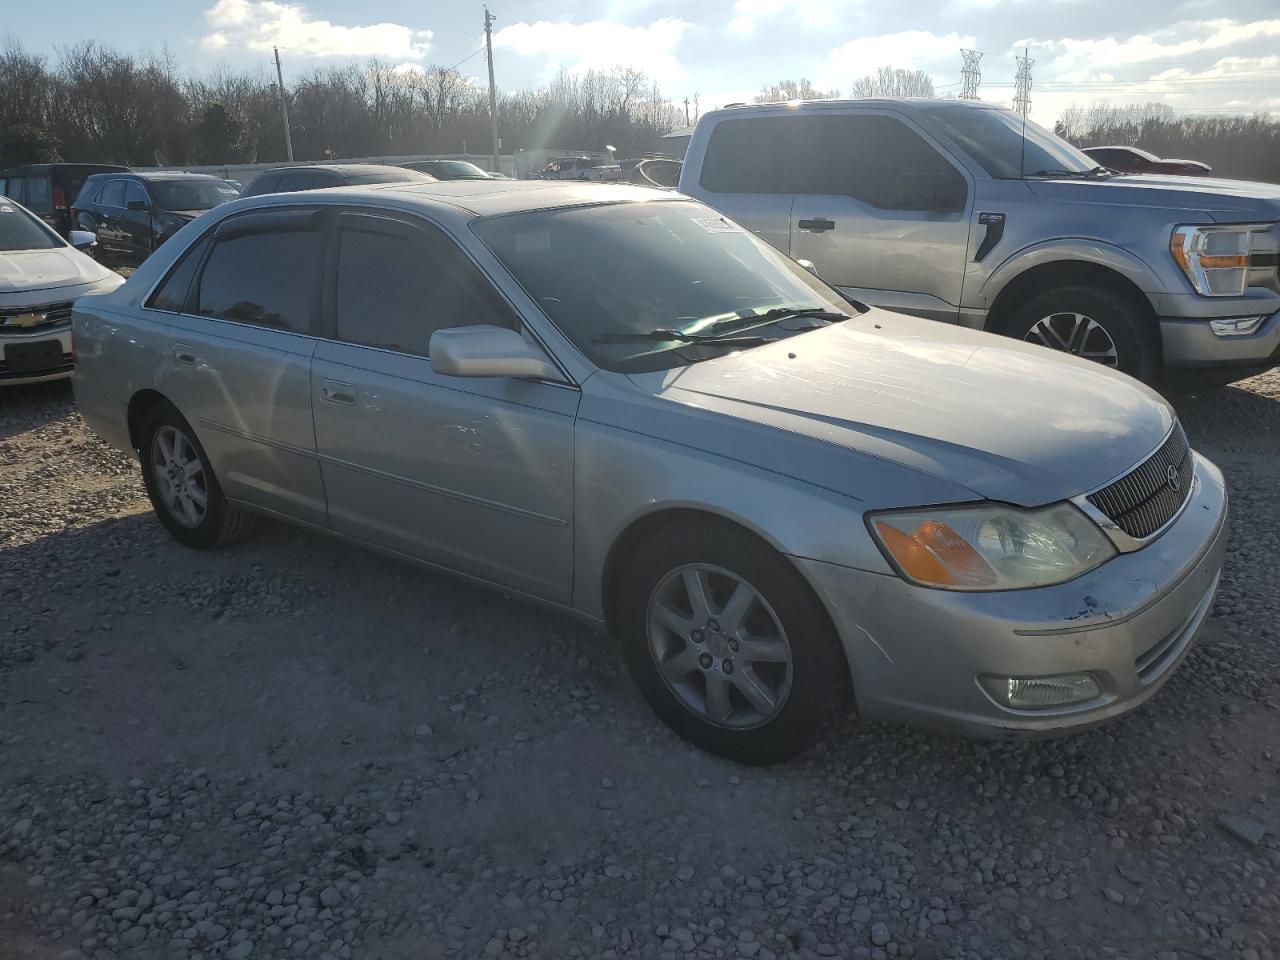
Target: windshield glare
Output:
[
  {"x": 629, "y": 268},
  {"x": 994, "y": 138},
  {"x": 21, "y": 231},
  {"x": 191, "y": 194}
]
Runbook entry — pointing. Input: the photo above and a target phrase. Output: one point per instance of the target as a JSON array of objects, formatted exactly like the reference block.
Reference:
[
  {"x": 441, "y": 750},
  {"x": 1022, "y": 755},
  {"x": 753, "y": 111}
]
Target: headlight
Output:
[
  {"x": 991, "y": 546},
  {"x": 1215, "y": 259}
]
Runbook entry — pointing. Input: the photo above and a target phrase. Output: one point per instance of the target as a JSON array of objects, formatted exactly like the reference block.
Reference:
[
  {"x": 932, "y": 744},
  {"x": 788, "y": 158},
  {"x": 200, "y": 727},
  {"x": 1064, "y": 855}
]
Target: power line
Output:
[
  {"x": 466, "y": 58},
  {"x": 971, "y": 75}
]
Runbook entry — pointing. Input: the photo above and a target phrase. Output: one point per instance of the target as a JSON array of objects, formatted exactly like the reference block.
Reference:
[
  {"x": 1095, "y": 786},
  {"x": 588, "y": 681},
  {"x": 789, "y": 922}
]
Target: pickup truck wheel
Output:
[
  {"x": 729, "y": 645},
  {"x": 182, "y": 487},
  {"x": 1090, "y": 322}
]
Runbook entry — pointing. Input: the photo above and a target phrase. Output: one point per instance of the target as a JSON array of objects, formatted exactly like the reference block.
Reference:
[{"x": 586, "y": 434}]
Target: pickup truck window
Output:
[
  {"x": 994, "y": 139},
  {"x": 267, "y": 279},
  {"x": 873, "y": 158}
]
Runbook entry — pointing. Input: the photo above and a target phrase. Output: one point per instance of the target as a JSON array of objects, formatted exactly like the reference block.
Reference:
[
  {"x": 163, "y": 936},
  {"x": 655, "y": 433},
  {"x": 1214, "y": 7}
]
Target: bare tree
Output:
[
  {"x": 894, "y": 82},
  {"x": 800, "y": 89}
]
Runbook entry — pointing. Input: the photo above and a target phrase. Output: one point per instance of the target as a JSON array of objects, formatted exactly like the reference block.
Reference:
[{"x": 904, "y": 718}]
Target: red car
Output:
[{"x": 1133, "y": 160}]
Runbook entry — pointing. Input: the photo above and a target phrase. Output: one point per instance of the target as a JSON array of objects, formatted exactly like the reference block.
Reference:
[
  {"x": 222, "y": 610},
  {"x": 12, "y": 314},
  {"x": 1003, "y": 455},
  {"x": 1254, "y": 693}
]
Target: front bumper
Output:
[
  {"x": 916, "y": 653},
  {"x": 58, "y": 370},
  {"x": 1192, "y": 344}
]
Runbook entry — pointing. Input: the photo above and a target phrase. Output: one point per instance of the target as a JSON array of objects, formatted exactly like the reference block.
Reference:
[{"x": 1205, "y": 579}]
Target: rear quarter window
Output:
[{"x": 38, "y": 195}]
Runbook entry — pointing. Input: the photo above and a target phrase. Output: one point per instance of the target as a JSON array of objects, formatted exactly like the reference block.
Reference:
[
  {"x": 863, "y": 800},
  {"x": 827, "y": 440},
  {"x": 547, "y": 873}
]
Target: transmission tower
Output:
[
  {"x": 1022, "y": 84},
  {"x": 971, "y": 75}
]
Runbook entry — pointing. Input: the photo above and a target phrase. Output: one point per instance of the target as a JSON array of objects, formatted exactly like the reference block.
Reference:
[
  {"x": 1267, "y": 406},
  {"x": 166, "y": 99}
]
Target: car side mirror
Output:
[
  {"x": 811, "y": 267},
  {"x": 137, "y": 205},
  {"x": 83, "y": 239},
  {"x": 488, "y": 351}
]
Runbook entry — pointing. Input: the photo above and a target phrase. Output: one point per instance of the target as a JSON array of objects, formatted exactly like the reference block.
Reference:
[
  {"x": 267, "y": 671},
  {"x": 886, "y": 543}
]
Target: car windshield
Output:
[
  {"x": 994, "y": 138},
  {"x": 191, "y": 194},
  {"x": 21, "y": 231},
  {"x": 453, "y": 169},
  {"x": 633, "y": 268}
]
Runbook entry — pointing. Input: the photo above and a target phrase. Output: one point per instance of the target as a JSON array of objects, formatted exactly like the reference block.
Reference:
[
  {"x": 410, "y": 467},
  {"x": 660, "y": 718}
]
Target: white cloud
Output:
[
  {"x": 909, "y": 49},
  {"x": 596, "y": 45},
  {"x": 262, "y": 24},
  {"x": 1179, "y": 40}
]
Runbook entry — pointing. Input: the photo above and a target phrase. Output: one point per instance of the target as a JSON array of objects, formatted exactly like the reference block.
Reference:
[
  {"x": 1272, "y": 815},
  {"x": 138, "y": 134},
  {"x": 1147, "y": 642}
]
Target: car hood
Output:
[
  {"x": 23, "y": 270},
  {"x": 1224, "y": 200},
  {"x": 1002, "y": 419}
]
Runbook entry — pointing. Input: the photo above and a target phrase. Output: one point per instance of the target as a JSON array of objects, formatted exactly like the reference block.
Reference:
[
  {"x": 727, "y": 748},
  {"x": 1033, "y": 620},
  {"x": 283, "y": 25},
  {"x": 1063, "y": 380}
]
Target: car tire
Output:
[
  {"x": 1090, "y": 322},
  {"x": 181, "y": 484},
  {"x": 783, "y": 649}
]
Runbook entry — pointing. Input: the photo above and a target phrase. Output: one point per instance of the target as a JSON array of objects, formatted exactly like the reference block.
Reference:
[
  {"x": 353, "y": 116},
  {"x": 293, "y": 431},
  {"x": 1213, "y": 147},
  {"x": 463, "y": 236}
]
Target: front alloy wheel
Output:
[
  {"x": 719, "y": 646},
  {"x": 1076, "y": 334}
]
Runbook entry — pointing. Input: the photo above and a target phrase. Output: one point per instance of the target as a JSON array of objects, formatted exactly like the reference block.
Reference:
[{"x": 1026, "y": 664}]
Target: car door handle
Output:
[
  {"x": 335, "y": 391},
  {"x": 183, "y": 353},
  {"x": 818, "y": 224}
]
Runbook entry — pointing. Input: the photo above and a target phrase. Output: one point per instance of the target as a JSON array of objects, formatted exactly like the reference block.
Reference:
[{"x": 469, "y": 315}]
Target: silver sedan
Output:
[{"x": 617, "y": 401}]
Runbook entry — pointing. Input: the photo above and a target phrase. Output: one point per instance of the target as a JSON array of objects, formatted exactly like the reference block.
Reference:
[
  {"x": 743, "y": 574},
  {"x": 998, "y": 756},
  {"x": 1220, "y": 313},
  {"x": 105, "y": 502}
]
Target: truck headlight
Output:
[
  {"x": 990, "y": 546},
  {"x": 1215, "y": 259}
]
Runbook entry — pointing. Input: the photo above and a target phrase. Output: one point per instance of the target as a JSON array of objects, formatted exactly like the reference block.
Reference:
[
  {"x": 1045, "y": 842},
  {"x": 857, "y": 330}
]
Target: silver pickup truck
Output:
[{"x": 958, "y": 211}]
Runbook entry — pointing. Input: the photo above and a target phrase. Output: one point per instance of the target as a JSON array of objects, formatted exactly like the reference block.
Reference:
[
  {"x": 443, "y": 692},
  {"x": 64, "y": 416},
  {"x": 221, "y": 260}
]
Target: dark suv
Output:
[
  {"x": 133, "y": 213},
  {"x": 318, "y": 176},
  {"x": 48, "y": 189}
]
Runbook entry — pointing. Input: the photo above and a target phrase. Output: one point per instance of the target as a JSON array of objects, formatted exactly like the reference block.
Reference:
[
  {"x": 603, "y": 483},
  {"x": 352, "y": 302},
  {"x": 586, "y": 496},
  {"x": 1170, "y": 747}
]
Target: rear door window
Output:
[
  {"x": 112, "y": 194},
  {"x": 751, "y": 156},
  {"x": 134, "y": 192},
  {"x": 38, "y": 195},
  {"x": 397, "y": 284},
  {"x": 267, "y": 277}
]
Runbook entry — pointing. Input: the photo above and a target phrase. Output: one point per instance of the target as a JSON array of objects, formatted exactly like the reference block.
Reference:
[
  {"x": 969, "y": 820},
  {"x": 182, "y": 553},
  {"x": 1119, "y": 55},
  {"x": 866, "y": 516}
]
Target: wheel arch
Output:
[
  {"x": 140, "y": 406},
  {"x": 1067, "y": 273}
]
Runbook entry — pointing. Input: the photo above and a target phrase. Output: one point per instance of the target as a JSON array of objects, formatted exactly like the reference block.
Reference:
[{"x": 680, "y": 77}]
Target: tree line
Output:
[
  {"x": 91, "y": 103},
  {"x": 885, "y": 82},
  {"x": 1238, "y": 147}
]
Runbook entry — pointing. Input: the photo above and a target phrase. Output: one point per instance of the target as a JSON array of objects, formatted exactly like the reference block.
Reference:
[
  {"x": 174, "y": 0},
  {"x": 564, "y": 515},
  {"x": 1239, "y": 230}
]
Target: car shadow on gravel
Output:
[{"x": 29, "y": 406}]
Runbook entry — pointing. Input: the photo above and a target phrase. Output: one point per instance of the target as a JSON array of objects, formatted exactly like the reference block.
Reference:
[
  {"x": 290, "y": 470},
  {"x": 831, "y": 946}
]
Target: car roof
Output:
[
  {"x": 463, "y": 200},
  {"x": 175, "y": 175},
  {"x": 343, "y": 168},
  {"x": 812, "y": 106}
]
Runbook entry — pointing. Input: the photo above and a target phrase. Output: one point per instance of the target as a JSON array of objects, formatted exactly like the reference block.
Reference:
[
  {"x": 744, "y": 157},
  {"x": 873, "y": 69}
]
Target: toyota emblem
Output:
[{"x": 1171, "y": 474}]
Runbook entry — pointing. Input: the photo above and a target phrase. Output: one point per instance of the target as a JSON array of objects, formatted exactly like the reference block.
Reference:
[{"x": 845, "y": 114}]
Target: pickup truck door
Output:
[{"x": 881, "y": 212}]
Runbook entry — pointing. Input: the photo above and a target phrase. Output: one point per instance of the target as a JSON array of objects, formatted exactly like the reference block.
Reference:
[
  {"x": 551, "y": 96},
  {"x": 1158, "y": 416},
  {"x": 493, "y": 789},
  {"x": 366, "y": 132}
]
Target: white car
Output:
[
  {"x": 582, "y": 168},
  {"x": 41, "y": 275}
]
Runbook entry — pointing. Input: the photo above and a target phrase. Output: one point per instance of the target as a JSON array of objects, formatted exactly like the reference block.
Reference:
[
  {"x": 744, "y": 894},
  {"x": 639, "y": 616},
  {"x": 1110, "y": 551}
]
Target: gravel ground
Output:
[{"x": 297, "y": 749}]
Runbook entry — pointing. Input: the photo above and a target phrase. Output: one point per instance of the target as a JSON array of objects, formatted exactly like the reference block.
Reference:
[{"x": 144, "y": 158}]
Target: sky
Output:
[{"x": 1195, "y": 55}]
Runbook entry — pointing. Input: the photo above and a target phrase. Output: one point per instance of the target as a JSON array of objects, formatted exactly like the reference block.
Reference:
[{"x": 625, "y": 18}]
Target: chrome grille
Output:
[
  {"x": 1148, "y": 497},
  {"x": 21, "y": 319}
]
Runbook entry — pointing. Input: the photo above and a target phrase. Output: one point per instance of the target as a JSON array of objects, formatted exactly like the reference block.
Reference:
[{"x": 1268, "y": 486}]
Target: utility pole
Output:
[
  {"x": 686, "y": 111},
  {"x": 493, "y": 90},
  {"x": 1022, "y": 85},
  {"x": 971, "y": 75},
  {"x": 284, "y": 108}
]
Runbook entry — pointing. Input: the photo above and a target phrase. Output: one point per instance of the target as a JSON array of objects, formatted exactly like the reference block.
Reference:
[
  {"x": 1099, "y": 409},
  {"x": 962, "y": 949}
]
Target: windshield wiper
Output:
[
  {"x": 675, "y": 336},
  {"x": 1074, "y": 174},
  {"x": 777, "y": 313}
]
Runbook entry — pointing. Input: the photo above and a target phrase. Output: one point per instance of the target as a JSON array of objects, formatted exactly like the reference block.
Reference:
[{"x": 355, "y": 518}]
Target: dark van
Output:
[{"x": 49, "y": 189}]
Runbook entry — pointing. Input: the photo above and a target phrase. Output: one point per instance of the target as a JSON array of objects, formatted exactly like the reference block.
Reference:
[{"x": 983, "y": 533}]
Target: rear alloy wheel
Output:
[
  {"x": 184, "y": 491},
  {"x": 728, "y": 644},
  {"x": 1094, "y": 323}
]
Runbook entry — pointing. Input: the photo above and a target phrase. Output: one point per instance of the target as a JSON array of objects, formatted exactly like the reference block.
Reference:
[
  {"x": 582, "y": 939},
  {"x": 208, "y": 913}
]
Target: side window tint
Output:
[
  {"x": 267, "y": 279},
  {"x": 751, "y": 156},
  {"x": 38, "y": 199},
  {"x": 171, "y": 295},
  {"x": 880, "y": 161},
  {"x": 396, "y": 286},
  {"x": 112, "y": 194},
  {"x": 133, "y": 191}
]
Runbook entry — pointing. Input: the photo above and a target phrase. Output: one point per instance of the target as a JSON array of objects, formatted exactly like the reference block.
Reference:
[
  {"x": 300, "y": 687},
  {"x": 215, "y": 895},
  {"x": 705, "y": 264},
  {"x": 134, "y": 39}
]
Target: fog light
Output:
[
  {"x": 1035, "y": 693},
  {"x": 1235, "y": 326}
]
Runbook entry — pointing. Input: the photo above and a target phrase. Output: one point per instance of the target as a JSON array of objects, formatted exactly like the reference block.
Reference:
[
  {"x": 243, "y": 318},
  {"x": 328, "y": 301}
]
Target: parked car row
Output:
[{"x": 581, "y": 168}]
